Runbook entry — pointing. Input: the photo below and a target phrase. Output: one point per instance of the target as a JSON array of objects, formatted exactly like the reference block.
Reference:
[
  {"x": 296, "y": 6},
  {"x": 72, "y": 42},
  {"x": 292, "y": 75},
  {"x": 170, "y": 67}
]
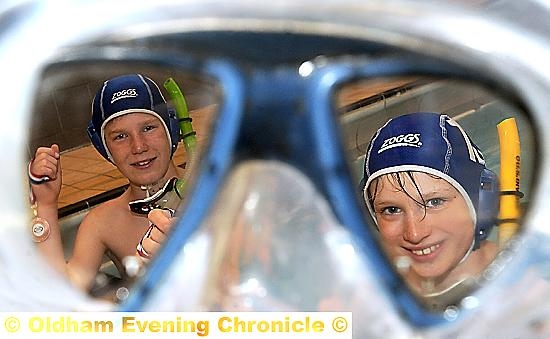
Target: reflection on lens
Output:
[
  {"x": 128, "y": 143},
  {"x": 433, "y": 167},
  {"x": 402, "y": 264}
]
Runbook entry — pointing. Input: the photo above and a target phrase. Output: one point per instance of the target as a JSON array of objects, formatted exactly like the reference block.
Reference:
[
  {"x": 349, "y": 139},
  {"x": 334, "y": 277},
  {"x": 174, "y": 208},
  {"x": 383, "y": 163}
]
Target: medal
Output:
[{"x": 40, "y": 229}]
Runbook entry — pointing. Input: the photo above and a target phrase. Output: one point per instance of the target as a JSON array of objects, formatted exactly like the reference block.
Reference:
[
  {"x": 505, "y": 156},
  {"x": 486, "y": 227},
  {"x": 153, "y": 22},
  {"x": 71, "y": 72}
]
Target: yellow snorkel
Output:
[{"x": 509, "y": 180}]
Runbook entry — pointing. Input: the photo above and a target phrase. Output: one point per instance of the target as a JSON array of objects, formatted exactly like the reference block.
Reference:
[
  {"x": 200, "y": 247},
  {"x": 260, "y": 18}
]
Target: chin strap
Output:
[{"x": 467, "y": 254}]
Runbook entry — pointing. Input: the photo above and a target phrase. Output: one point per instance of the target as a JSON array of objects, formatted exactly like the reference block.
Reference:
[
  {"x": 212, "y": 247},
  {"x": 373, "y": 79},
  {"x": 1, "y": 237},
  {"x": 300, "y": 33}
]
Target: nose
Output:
[
  {"x": 416, "y": 227},
  {"x": 139, "y": 144}
]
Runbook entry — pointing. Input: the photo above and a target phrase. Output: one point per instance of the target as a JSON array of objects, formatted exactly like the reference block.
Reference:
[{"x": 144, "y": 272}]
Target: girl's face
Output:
[
  {"x": 139, "y": 146},
  {"x": 433, "y": 238}
]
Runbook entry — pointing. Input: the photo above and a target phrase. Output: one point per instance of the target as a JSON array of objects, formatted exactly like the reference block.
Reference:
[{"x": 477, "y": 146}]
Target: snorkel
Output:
[
  {"x": 509, "y": 180},
  {"x": 172, "y": 193},
  {"x": 188, "y": 135}
]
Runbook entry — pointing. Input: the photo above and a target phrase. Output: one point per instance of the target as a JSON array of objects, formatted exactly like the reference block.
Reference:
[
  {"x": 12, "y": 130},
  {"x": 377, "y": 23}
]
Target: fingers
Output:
[
  {"x": 150, "y": 242},
  {"x": 57, "y": 156},
  {"x": 161, "y": 219},
  {"x": 55, "y": 148},
  {"x": 156, "y": 235},
  {"x": 46, "y": 162},
  {"x": 149, "y": 247}
]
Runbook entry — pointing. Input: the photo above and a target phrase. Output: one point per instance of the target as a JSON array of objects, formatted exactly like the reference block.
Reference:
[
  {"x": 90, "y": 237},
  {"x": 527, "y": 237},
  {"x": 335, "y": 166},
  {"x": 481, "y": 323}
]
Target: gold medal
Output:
[{"x": 40, "y": 229}]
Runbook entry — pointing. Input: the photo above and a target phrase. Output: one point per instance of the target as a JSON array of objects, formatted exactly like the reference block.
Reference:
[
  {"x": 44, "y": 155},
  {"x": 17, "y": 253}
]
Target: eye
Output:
[
  {"x": 119, "y": 136},
  {"x": 435, "y": 202},
  {"x": 390, "y": 210},
  {"x": 150, "y": 127}
]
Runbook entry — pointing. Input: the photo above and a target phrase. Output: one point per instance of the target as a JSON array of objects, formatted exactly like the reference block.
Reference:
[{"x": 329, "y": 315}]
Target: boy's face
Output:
[
  {"x": 139, "y": 147},
  {"x": 433, "y": 239}
]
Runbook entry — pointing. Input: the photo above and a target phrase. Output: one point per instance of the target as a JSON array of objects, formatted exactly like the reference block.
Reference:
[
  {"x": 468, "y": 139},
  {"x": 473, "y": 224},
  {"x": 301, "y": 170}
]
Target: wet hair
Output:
[{"x": 398, "y": 181}]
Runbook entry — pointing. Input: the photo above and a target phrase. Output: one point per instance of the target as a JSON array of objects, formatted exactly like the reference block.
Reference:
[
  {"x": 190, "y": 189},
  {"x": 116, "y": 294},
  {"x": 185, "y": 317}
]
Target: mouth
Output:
[
  {"x": 426, "y": 250},
  {"x": 143, "y": 163}
]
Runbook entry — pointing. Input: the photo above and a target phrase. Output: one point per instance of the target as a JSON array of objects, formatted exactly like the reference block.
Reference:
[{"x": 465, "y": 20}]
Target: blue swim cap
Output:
[
  {"x": 436, "y": 144},
  {"x": 131, "y": 93}
]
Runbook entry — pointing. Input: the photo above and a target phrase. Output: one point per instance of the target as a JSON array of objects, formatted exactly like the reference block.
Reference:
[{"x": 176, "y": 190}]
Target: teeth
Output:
[{"x": 425, "y": 251}]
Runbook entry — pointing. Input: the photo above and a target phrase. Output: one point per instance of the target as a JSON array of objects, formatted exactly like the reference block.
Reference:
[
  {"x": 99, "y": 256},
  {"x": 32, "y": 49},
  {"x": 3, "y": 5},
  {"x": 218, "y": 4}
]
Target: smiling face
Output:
[
  {"x": 139, "y": 147},
  {"x": 423, "y": 221}
]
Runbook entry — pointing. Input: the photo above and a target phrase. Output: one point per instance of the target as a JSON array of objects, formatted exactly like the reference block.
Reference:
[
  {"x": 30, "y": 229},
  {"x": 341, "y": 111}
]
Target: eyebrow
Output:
[
  {"x": 426, "y": 195},
  {"x": 149, "y": 121},
  {"x": 439, "y": 191},
  {"x": 378, "y": 202}
]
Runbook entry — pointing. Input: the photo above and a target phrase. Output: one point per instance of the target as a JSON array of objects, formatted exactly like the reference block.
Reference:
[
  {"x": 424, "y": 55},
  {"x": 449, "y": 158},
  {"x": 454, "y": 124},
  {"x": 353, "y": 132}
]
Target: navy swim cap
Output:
[
  {"x": 435, "y": 144},
  {"x": 132, "y": 93}
]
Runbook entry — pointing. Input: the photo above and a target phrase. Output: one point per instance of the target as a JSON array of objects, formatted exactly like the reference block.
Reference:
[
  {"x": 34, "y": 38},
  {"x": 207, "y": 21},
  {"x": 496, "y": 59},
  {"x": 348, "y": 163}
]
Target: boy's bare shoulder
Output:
[{"x": 109, "y": 210}]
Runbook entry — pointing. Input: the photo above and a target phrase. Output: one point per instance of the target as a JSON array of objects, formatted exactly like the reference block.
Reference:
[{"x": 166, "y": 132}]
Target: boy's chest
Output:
[{"x": 124, "y": 235}]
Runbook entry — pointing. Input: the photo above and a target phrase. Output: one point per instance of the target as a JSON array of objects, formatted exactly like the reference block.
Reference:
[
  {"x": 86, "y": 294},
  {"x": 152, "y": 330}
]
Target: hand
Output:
[
  {"x": 154, "y": 238},
  {"x": 47, "y": 163}
]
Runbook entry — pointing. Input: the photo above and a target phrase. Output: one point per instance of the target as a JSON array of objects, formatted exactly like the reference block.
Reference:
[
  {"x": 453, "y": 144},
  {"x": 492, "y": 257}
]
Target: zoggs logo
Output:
[
  {"x": 411, "y": 139},
  {"x": 125, "y": 93}
]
